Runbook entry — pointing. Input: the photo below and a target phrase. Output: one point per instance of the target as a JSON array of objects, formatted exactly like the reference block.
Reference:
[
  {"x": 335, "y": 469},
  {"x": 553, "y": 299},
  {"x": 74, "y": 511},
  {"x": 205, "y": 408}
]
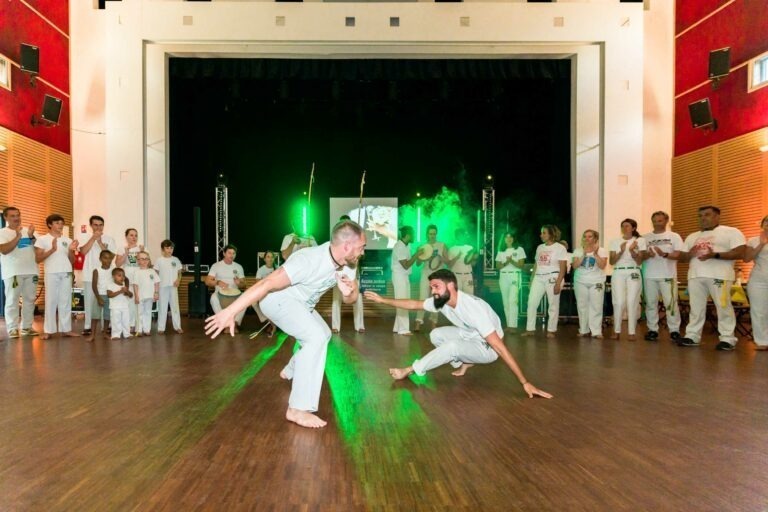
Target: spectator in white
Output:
[
  {"x": 169, "y": 270},
  {"x": 548, "y": 276},
  {"x": 57, "y": 253},
  {"x": 757, "y": 251},
  {"x": 91, "y": 247},
  {"x": 475, "y": 337},
  {"x": 660, "y": 276},
  {"x": 510, "y": 261},
  {"x": 146, "y": 291},
  {"x": 590, "y": 261},
  {"x": 130, "y": 264},
  {"x": 711, "y": 253},
  {"x": 401, "y": 265},
  {"x": 226, "y": 274},
  {"x": 436, "y": 261},
  {"x": 357, "y": 306},
  {"x": 19, "y": 273},
  {"x": 627, "y": 255},
  {"x": 267, "y": 268},
  {"x": 288, "y": 297},
  {"x": 293, "y": 242},
  {"x": 461, "y": 258}
]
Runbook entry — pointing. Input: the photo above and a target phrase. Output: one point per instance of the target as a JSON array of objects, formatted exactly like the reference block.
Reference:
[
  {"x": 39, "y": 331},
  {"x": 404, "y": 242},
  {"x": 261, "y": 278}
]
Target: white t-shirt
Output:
[
  {"x": 400, "y": 252},
  {"x": 304, "y": 242},
  {"x": 264, "y": 271},
  {"x": 472, "y": 315},
  {"x": 311, "y": 272},
  {"x": 91, "y": 259},
  {"x": 21, "y": 260},
  {"x": 105, "y": 278},
  {"x": 626, "y": 260},
  {"x": 720, "y": 239},
  {"x": 517, "y": 254},
  {"x": 760, "y": 270},
  {"x": 459, "y": 267},
  {"x": 59, "y": 260},
  {"x": 168, "y": 269},
  {"x": 548, "y": 258},
  {"x": 588, "y": 271},
  {"x": 145, "y": 279},
  {"x": 227, "y": 273},
  {"x": 121, "y": 301},
  {"x": 658, "y": 267}
]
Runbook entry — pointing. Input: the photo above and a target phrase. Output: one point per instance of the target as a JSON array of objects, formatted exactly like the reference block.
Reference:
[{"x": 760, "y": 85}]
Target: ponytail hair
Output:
[{"x": 633, "y": 223}]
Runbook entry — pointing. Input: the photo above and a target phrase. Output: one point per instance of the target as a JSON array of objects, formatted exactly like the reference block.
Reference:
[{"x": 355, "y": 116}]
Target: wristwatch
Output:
[{"x": 717, "y": 256}]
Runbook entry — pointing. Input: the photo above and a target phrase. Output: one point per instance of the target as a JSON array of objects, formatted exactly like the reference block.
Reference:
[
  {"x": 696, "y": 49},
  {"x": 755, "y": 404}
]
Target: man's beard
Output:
[{"x": 441, "y": 300}]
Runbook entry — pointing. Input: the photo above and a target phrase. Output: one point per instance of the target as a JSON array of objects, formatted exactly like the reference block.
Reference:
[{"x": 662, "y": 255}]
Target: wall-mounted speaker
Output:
[
  {"x": 719, "y": 63},
  {"x": 30, "y": 58},
  {"x": 701, "y": 114},
  {"x": 51, "y": 112}
]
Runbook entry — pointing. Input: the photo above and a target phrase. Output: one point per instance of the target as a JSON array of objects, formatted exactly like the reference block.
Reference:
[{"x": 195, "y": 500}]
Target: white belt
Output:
[{"x": 463, "y": 273}]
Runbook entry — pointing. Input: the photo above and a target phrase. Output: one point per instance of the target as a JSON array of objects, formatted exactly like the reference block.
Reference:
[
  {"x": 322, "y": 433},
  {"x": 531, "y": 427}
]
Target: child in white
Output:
[
  {"x": 402, "y": 265},
  {"x": 100, "y": 279},
  {"x": 711, "y": 253},
  {"x": 660, "y": 276},
  {"x": 757, "y": 251},
  {"x": 510, "y": 260},
  {"x": 590, "y": 261},
  {"x": 119, "y": 305},
  {"x": 548, "y": 275},
  {"x": 226, "y": 274},
  {"x": 57, "y": 252},
  {"x": 146, "y": 290},
  {"x": 435, "y": 262},
  {"x": 627, "y": 254},
  {"x": 168, "y": 268}
]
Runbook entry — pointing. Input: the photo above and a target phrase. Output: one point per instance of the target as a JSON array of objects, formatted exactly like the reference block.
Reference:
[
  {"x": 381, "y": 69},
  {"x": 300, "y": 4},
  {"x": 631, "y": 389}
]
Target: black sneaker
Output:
[
  {"x": 687, "y": 342},
  {"x": 651, "y": 336},
  {"x": 675, "y": 336},
  {"x": 724, "y": 345}
]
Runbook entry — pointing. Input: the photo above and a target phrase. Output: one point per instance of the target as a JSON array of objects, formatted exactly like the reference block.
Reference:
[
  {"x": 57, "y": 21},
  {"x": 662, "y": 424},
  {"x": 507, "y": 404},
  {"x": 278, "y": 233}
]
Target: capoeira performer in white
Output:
[
  {"x": 436, "y": 261},
  {"x": 357, "y": 307},
  {"x": 711, "y": 253},
  {"x": 401, "y": 264},
  {"x": 757, "y": 251},
  {"x": 627, "y": 254},
  {"x": 476, "y": 337},
  {"x": 288, "y": 297},
  {"x": 548, "y": 275},
  {"x": 461, "y": 258},
  {"x": 660, "y": 276}
]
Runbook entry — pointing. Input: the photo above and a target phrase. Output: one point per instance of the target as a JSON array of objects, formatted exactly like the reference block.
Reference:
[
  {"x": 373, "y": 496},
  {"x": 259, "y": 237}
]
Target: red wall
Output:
[
  {"x": 20, "y": 24},
  {"x": 741, "y": 25}
]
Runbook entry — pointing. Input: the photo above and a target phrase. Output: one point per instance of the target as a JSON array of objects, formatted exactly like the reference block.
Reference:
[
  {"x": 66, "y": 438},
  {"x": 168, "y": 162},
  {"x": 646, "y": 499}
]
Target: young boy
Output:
[
  {"x": 146, "y": 288},
  {"x": 118, "y": 294},
  {"x": 168, "y": 267},
  {"x": 101, "y": 278}
]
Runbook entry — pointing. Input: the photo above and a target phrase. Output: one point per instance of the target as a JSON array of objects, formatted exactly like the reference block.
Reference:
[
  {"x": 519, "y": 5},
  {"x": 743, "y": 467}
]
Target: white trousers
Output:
[
  {"x": 465, "y": 282},
  {"x": 169, "y": 297},
  {"x": 424, "y": 293},
  {"x": 509, "y": 282},
  {"x": 626, "y": 286},
  {"x": 58, "y": 299},
  {"x": 89, "y": 298},
  {"x": 541, "y": 285},
  {"x": 357, "y": 310},
  {"x": 402, "y": 285},
  {"x": 307, "y": 366},
  {"x": 26, "y": 288},
  {"x": 120, "y": 322},
  {"x": 667, "y": 288},
  {"x": 720, "y": 291},
  {"x": 451, "y": 348},
  {"x": 589, "y": 304},
  {"x": 216, "y": 306},
  {"x": 145, "y": 315},
  {"x": 758, "y": 310}
]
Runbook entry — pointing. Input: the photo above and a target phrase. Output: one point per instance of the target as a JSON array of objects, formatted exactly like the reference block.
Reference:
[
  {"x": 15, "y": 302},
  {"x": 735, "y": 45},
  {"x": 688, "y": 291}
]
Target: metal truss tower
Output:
[
  {"x": 489, "y": 225},
  {"x": 222, "y": 215}
]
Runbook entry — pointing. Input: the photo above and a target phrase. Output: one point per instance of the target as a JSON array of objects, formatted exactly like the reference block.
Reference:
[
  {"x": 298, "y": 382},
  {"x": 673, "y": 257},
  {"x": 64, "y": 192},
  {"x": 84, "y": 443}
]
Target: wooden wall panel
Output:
[{"x": 732, "y": 175}]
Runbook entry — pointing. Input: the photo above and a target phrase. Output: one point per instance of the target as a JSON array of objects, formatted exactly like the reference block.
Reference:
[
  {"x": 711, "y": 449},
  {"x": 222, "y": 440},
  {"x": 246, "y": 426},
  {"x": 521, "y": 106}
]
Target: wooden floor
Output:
[{"x": 181, "y": 423}]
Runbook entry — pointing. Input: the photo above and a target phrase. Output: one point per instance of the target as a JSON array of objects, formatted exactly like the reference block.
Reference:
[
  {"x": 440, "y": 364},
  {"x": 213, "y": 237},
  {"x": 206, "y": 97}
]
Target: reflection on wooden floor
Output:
[{"x": 183, "y": 423}]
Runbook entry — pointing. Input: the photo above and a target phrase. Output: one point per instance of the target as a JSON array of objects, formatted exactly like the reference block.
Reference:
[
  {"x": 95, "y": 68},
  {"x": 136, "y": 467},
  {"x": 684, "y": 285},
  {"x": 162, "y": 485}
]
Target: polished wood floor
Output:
[{"x": 182, "y": 423}]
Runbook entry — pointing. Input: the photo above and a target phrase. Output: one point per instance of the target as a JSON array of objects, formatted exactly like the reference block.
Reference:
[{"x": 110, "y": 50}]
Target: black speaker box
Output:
[
  {"x": 51, "y": 109},
  {"x": 719, "y": 63},
  {"x": 30, "y": 58},
  {"x": 701, "y": 114}
]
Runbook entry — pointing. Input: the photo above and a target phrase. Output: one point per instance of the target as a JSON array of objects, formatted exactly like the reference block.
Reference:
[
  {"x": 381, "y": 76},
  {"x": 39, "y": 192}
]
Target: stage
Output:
[{"x": 184, "y": 423}]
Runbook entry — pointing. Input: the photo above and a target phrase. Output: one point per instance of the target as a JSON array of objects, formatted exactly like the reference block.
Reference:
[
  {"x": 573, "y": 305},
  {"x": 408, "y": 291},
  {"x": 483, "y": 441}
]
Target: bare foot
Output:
[
  {"x": 284, "y": 375},
  {"x": 631, "y": 337},
  {"x": 615, "y": 336},
  {"x": 361, "y": 331},
  {"x": 105, "y": 335},
  {"x": 598, "y": 336},
  {"x": 584, "y": 335},
  {"x": 528, "y": 334},
  {"x": 89, "y": 337},
  {"x": 335, "y": 331},
  {"x": 461, "y": 371},
  {"x": 551, "y": 334},
  {"x": 72, "y": 334},
  {"x": 161, "y": 332},
  {"x": 45, "y": 336},
  {"x": 511, "y": 330},
  {"x": 179, "y": 331},
  {"x": 304, "y": 418},
  {"x": 407, "y": 333},
  {"x": 400, "y": 373}
]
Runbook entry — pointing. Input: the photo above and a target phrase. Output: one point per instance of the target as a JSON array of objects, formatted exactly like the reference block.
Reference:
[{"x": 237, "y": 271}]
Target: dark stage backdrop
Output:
[{"x": 414, "y": 125}]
